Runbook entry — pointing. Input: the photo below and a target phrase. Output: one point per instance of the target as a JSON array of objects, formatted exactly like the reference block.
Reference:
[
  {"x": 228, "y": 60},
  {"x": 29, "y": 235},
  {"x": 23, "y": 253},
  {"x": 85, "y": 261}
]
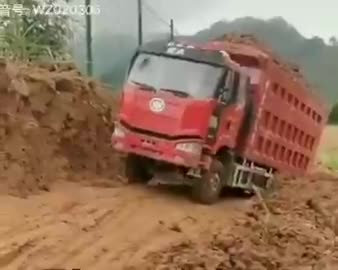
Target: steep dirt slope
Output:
[{"x": 53, "y": 125}]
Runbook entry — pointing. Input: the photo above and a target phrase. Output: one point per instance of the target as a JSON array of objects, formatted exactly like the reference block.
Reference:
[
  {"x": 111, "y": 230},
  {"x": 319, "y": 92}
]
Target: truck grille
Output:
[{"x": 158, "y": 135}]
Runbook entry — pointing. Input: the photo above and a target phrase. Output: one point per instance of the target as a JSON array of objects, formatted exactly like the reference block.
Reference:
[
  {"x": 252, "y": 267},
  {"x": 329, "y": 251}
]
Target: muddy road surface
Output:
[
  {"x": 64, "y": 203},
  {"x": 103, "y": 228}
]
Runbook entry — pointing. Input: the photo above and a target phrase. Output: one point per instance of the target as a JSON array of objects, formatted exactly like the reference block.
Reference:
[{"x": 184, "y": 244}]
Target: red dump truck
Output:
[{"x": 224, "y": 114}]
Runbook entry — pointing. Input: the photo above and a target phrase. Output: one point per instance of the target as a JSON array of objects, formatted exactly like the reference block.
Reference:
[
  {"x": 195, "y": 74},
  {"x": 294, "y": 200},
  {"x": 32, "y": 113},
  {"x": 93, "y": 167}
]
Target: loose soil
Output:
[{"x": 64, "y": 202}]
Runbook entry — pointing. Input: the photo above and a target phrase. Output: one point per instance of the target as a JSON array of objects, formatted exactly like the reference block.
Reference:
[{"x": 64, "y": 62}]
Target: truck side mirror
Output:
[{"x": 224, "y": 94}]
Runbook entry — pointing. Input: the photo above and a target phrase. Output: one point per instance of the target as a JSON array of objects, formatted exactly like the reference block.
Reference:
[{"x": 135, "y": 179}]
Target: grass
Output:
[
  {"x": 328, "y": 151},
  {"x": 330, "y": 160}
]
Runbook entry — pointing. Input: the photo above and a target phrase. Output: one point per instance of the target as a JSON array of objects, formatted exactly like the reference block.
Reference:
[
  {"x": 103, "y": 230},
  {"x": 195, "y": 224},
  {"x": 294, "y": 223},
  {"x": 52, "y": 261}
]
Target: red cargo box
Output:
[{"x": 288, "y": 117}]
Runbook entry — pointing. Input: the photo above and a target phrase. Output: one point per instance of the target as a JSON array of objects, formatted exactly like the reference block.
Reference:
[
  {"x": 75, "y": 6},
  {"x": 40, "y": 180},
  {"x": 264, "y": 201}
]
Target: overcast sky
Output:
[{"x": 310, "y": 17}]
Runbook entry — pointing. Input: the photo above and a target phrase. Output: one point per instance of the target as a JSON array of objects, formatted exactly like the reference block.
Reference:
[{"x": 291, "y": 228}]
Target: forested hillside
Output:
[{"x": 318, "y": 60}]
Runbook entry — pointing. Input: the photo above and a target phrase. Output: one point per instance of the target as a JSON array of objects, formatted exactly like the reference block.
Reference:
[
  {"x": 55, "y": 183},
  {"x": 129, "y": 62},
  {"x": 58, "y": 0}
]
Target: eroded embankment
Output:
[{"x": 53, "y": 125}]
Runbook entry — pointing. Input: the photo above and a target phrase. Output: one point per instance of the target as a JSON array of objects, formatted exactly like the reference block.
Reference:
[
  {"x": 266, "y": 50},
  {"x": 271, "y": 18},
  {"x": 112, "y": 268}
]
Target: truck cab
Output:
[{"x": 181, "y": 113}]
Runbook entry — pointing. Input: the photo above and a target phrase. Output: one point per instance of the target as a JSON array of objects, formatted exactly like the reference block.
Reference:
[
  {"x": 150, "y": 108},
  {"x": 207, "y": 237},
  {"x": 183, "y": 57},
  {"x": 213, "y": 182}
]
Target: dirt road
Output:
[
  {"x": 63, "y": 203},
  {"x": 102, "y": 228},
  {"x": 139, "y": 227}
]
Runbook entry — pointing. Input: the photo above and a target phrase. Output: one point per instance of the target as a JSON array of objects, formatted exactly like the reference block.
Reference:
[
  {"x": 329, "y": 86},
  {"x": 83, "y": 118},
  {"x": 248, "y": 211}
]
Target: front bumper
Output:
[{"x": 157, "y": 148}]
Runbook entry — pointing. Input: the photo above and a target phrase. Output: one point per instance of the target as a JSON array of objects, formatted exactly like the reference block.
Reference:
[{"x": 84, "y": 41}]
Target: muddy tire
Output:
[
  {"x": 207, "y": 190},
  {"x": 136, "y": 170}
]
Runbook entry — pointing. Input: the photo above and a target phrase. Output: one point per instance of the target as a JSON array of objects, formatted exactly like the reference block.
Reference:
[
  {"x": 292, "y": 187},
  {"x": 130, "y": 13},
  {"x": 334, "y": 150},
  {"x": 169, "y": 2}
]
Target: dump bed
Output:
[{"x": 286, "y": 117}]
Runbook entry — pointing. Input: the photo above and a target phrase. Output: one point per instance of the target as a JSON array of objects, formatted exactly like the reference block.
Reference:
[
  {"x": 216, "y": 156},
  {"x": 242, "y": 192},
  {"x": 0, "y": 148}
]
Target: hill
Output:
[
  {"x": 111, "y": 54},
  {"x": 318, "y": 60}
]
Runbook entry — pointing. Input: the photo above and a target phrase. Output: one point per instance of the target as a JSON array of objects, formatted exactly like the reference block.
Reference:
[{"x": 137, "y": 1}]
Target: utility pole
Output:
[
  {"x": 171, "y": 30},
  {"x": 89, "y": 40},
  {"x": 140, "y": 22}
]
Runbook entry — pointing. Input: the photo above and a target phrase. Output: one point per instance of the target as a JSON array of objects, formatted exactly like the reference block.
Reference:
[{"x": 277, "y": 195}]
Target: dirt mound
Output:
[
  {"x": 53, "y": 125},
  {"x": 298, "y": 232}
]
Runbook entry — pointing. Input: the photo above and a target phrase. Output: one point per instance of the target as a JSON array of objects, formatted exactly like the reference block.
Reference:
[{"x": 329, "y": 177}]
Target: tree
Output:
[
  {"x": 33, "y": 35},
  {"x": 333, "y": 118},
  {"x": 333, "y": 41}
]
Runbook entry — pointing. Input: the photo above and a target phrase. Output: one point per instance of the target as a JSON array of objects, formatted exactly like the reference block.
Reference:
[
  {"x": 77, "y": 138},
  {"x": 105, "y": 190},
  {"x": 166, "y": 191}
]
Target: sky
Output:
[{"x": 310, "y": 17}]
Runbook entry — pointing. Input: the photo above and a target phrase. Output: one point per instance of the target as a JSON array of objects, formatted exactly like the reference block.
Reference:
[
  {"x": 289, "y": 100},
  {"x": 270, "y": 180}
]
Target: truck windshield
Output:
[{"x": 190, "y": 78}]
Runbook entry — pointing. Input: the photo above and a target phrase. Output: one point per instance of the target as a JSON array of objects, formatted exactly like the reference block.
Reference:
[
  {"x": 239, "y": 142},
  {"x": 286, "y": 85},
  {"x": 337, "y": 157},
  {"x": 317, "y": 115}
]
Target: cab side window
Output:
[
  {"x": 224, "y": 91},
  {"x": 242, "y": 89},
  {"x": 229, "y": 81},
  {"x": 230, "y": 89},
  {"x": 236, "y": 87}
]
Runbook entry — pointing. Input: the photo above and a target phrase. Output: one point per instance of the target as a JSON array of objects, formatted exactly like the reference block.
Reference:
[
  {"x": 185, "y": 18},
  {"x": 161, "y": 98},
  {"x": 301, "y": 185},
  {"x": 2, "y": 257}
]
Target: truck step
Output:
[
  {"x": 169, "y": 179},
  {"x": 246, "y": 176}
]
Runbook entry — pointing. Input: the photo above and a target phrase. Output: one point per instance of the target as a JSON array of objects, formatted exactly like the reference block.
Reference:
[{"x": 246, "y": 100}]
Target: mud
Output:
[
  {"x": 299, "y": 231},
  {"x": 64, "y": 204},
  {"x": 54, "y": 125},
  {"x": 138, "y": 227}
]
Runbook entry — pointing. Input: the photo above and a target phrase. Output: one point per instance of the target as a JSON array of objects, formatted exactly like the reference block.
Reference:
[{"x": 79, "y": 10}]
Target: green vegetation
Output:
[
  {"x": 333, "y": 118},
  {"x": 330, "y": 159},
  {"x": 328, "y": 151},
  {"x": 29, "y": 36}
]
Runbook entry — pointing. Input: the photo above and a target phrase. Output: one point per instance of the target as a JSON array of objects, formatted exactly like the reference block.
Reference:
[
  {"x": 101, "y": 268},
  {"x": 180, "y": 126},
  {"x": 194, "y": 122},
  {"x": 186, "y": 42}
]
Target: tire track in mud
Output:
[
  {"x": 40, "y": 246},
  {"x": 107, "y": 233},
  {"x": 29, "y": 242},
  {"x": 129, "y": 243},
  {"x": 119, "y": 248},
  {"x": 94, "y": 214},
  {"x": 104, "y": 228},
  {"x": 36, "y": 229}
]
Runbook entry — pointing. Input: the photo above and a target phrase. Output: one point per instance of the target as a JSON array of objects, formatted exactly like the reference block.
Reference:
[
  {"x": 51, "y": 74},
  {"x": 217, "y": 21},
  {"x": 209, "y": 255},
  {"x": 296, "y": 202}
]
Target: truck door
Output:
[{"x": 231, "y": 109}]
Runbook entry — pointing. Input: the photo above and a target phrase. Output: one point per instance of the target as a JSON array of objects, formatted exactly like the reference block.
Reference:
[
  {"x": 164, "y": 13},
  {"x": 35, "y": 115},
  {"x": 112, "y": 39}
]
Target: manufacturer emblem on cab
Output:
[{"x": 157, "y": 105}]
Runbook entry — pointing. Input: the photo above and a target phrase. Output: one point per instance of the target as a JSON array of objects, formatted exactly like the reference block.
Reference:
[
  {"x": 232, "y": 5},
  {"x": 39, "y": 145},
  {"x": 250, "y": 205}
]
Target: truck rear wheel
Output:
[
  {"x": 136, "y": 169},
  {"x": 207, "y": 189}
]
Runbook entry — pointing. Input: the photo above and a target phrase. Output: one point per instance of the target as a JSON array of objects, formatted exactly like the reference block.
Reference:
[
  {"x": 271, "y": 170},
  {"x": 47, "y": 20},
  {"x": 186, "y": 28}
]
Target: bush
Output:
[
  {"x": 330, "y": 160},
  {"x": 333, "y": 118},
  {"x": 34, "y": 36}
]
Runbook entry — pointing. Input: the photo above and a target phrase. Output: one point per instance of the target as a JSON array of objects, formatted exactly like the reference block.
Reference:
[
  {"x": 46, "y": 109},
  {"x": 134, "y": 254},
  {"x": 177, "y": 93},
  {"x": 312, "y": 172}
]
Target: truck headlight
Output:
[
  {"x": 118, "y": 132},
  {"x": 193, "y": 148}
]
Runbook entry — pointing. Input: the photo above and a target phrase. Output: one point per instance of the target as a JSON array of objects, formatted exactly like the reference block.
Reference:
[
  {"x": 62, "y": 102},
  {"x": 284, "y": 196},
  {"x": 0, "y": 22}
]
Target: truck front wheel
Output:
[
  {"x": 136, "y": 169},
  {"x": 207, "y": 189}
]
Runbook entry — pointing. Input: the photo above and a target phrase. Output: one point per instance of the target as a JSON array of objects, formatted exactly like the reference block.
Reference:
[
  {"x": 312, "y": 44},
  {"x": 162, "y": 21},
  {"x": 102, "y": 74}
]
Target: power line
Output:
[
  {"x": 159, "y": 17},
  {"x": 152, "y": 11}
]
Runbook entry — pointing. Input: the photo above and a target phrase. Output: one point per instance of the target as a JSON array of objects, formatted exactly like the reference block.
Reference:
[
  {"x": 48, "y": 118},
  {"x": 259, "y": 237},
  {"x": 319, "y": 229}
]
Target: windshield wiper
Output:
[
  {"x": 176, "y": 92},
  {"x": 145, "y": 86}
]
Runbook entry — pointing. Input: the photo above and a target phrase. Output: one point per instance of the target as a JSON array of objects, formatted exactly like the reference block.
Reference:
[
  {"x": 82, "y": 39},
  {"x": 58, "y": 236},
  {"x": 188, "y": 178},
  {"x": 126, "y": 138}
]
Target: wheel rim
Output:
[{"x": 215, "y": 180}]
